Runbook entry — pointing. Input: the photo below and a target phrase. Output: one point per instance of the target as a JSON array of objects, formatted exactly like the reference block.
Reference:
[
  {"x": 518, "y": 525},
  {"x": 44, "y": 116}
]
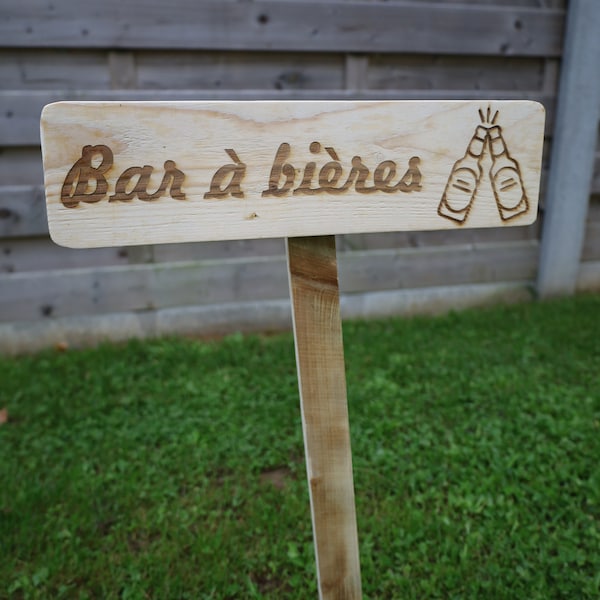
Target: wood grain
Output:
[
  {"x": 22, "y": 211},
  {"x": 100, "y": 289},
  {"x": 322, "y": 381},
  {"x": 339, "y": 26},
  {"x": 20, "y": 109},
  {"x": 248, "y": 170}
]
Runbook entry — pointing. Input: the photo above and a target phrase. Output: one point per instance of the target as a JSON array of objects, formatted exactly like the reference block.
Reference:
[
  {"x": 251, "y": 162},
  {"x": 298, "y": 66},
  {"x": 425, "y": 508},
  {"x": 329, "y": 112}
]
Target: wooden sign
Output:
[
  {"x": 144, "y": 173},
  {"x": 155, "y": 172}
]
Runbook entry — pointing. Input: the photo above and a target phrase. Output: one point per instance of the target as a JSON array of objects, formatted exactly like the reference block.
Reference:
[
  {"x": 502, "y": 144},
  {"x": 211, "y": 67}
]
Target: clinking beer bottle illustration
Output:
[
  {"x": 464, "y": 179},
  {"x": 505, "y": 177}
]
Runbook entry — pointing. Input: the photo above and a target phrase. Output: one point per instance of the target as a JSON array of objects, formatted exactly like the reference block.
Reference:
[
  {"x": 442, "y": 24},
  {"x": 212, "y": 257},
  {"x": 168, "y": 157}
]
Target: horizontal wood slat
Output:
[
  {"x": 268, "y": 315},
  {"x": 337, "y": 26},
  {"x": 588, "y": 277},
  {"x": 22, "y": 211},
  {"x": 18, "y": 255},
  {"x": 591, "y": 243},
  {"x": 58, "y": 69},
  {"x": 33, "y": 295},
  {"x": 20, "y": 111}
]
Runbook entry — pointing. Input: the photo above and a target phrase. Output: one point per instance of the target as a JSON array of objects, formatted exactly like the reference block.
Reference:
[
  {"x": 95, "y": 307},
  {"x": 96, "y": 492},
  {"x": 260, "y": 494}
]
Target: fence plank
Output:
[
  {"x": 414, "y": 71},
  {"x": 239, "y": 70},
  {"x": 336, "y": 26},
  {"x": 51, "y": 68},
  {"x": 42, "y": 254},
  {"x": 22, "y": 211},
  {"x": 269, "y": 315},
  {"x": 588, "y": 277},
  {"x": 591, "y": 244},
  {"x": 31, "y": 295},
  {"x": 18, "y": 255},
  {"x": 21, "y": 165}
]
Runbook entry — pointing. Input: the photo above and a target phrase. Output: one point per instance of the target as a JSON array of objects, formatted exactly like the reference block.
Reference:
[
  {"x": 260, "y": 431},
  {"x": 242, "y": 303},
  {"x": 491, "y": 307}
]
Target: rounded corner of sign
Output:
[
  {"x": 58, "y": 237},
  {"x": 533, "y": 217},
  {"x": 528, "y": 219},
  {"x": 51, "y": 107},
  {"x": 540, "y": 108}
]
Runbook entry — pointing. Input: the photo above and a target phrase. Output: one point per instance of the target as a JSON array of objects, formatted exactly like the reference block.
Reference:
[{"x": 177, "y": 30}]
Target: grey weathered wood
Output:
[
  {"x": 206, "y": 70},
  {"x": 19, "y": 255},
  {"x": 588, "y": 277},
  {"x": 21, "y": 165},
  {"x": 22, "y": 211},
  {"x": 269, "y": 315},
  {"x": 591, "y": 243},
  {"x": 41, "y": 254},
  {"x": 336, "y": 25},
  {"x": 52, "y": 68},
  {"x": 422, "y": 71},
  {"x": 30, "y": 295},
  {"x": 357, "y": 67},
  {"x": 20, "y": 111},
  {"x": 170, "y": 69},
  {"x": 596, "y": 178},
  {"x": 122, "y": 69},
  {"x": 46, "y": 69},
  {"x": 551, "y": 75},
  {"x": 573, "y": 152}
]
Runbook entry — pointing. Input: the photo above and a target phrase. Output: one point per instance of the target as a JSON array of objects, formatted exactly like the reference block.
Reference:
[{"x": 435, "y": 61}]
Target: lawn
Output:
[{"x": 174, "y": 469}]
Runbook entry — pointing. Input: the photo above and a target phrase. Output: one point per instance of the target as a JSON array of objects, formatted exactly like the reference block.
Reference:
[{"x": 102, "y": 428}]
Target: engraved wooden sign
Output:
[
  {"x": 153, "y": 172},
  {"x": 144, "y": 173}
]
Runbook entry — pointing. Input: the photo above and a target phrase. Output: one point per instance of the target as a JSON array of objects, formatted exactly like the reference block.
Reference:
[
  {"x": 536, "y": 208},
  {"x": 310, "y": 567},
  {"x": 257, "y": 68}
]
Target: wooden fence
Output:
[{"x": 264, "y": 49}]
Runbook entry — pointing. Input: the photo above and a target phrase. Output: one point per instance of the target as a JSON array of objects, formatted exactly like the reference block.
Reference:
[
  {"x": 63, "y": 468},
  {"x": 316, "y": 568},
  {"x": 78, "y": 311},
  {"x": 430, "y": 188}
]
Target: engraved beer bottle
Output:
[
  {"x": 505, "y": 176},
  {"x": 462, "y": 184}
]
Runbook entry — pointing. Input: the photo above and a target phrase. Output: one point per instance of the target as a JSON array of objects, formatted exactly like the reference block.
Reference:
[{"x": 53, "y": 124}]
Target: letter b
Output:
[
  {"x": 82, "y": 173},
  {"x": 278, "y": 170}
]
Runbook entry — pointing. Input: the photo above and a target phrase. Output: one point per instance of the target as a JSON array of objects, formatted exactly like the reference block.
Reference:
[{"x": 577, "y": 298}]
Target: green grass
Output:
[{"x": 174, "y": 468}]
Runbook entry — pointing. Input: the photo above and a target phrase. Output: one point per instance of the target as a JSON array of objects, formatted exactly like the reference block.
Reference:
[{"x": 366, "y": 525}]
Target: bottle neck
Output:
[
  {"x": 497, "y": 145},
  {"x": 477, "y": 143}
]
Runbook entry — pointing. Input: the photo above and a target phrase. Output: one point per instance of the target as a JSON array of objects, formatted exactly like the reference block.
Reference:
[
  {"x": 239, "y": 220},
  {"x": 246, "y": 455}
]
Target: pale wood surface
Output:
[
  {"x": 427, "y": 138},
  {"x": 291, "y": 25},
  {"x": 20, "y": 110},
  {"x": 322, "y": 381}
]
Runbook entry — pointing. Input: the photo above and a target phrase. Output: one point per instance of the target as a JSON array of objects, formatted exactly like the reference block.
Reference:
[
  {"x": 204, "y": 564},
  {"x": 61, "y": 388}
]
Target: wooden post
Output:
[
  {"x": 314, "y": 291},
  {"x": 573, "y": 152}
]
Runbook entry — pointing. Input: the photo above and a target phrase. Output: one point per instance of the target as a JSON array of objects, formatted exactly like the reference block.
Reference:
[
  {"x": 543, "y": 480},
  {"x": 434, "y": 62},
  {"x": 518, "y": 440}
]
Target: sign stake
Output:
[{"x": 314, "y": 290}]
